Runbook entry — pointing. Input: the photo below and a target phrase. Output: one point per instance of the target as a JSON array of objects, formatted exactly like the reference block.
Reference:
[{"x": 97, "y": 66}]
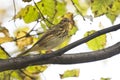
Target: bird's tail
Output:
[{"x": 24, "y": 52}]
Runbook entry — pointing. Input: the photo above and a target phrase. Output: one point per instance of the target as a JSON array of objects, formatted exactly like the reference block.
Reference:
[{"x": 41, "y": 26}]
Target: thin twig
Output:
[
  {"x": 14, "y": 5},
  {"x": 77, "y": 9},
  {"x": 33, "y": 28},
  {"x": 40, "y": 13}
]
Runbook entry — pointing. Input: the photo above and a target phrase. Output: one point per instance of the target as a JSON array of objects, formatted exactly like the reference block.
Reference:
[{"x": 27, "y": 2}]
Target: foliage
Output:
[
  {"x": 11, "y": 75},
  {"x": 70, "y": 73},
  {"x": 108, "y": 7},
  {"x": 81, "y": 6},
  {"x": 3, "y": 55},
  {"x": 6, "y": 37},
  {"x": 105, "y": 78},
  {"x": 28, "y": 14},
  {"x": 23, "y": 40},
  {"x": 96, "y": 43},
  {"x": 19, "y": 75}
]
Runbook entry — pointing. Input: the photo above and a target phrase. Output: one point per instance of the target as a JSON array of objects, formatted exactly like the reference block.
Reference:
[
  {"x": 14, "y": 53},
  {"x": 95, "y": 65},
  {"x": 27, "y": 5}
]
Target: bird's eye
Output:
[{"x": 65, "y": 20}]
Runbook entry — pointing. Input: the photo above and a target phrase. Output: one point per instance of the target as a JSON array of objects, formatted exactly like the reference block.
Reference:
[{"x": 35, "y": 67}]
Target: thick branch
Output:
[
  {"x": 83, "y": 57},
  {"x": 22, "y": 62}
]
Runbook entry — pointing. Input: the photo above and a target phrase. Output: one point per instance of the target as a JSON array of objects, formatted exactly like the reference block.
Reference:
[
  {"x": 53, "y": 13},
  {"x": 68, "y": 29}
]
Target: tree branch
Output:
[{"x": 24, "y": 61}]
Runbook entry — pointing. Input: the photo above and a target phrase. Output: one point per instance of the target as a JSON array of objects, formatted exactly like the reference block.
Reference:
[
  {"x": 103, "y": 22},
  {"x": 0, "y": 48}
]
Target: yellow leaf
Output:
[
  {"x": 70, "y": 73},
  {"x": 82, "y": 6},
  {"x": 6, "y": 37},
  {"x": 105, "y": 78},
  {"x": 28, "y": 14},
  {"x": 11, "y": 75},
  {"x": 35, "y": 69},
  {"x": 100, "y": 7},
  {"x": 3, "y": 55},
  {"x": 96, "y": 43},
  {"x": 23, "y": 41}
]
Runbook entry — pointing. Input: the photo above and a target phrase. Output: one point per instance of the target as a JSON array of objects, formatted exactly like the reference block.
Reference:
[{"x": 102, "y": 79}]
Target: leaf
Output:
[
  {"x": 82, "y": 6},
  {"x": 105, "y": 78},
  {"x": 60, "y": 11},
  {"x": 111, "y": 17},
  {"x": 47, "y": 7},
  {"x": 16, "y": 75},
  {"x": 115, "y": 7},
  {"x": 6, "y": 37},
  {"x": 52, "y": 9},
  {"x": 114, "y": 11},
  {"x": 108, "y": 7},
  {"x": 35, "y": 69},
  {"x": 28, "y": 14},
  {"x": 23, "y": 41},
  {"x": 70, "y": 73},
  {"x": 4, "y": 75},
  {"x": 10, "y": 75},
  {"x": 96, "y": 43},
  {"x": 3, "y": 55},
  {"x": 100, "y": 7},
  {"x": 73, "y": 31}
]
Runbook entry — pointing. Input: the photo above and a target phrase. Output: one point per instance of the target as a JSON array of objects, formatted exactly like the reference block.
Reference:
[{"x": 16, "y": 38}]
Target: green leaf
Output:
[
  {"x": 28, "y": 14},
  {"x": 11, "y": 75},
  {"x": 100, "y": 7},
  {"x": 96, "y": 43},
  {"x": 111, "y": 17},
  {"x": 35, "y": 69},
  {"x": 70, "y": 73},
  {"x": 52, "y": 9},
  {"x": 73, "y": 31},
  {"x": 60, "y": 11},
  {"x": 82, "y": 6},
  {"x": 4, "y": 75},
  {"x": 105, "y": 79},
  {"x": 47, "y": 7},
  {"x": 108, "y": 7},
  {"x": 3, "y": 55},
  {"x": 16, "y": 75},
  {"x": 114, "y": 11}
]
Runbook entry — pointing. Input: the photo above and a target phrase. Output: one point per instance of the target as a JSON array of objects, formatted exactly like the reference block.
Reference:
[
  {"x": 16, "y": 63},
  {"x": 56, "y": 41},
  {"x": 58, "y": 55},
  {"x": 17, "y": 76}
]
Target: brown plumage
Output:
[{"x": 52, "y": 37}]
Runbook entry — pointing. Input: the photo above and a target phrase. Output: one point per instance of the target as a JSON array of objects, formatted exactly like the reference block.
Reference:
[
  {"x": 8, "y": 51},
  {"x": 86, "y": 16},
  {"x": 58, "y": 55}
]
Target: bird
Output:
[{"x": 54, "y": 36}]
